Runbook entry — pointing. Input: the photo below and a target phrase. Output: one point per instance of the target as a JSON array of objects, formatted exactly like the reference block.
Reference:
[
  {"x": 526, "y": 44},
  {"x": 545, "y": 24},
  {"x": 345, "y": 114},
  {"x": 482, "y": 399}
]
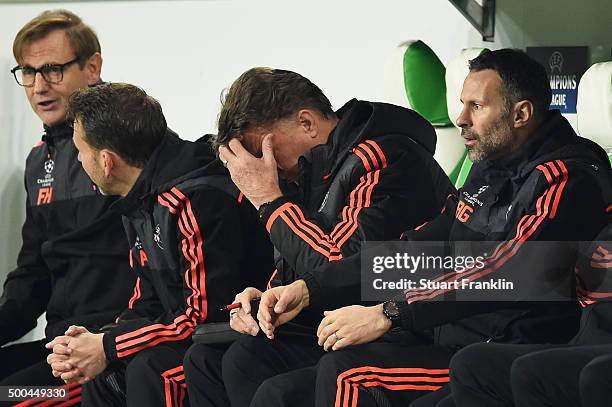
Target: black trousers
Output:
[
  {"x": 202, "y": 365},
  {"x": 246, "y": 364},
  {"x": 15, "y": 358},
  {"x": 154, "y": 377},
  {"x": 438, "y": 398},
  {"x": 294, "y": 388},
  {"x": 376, "y": 374},
  {"x": 532, "y": 375},
  {"x": 25, "y": 364}
]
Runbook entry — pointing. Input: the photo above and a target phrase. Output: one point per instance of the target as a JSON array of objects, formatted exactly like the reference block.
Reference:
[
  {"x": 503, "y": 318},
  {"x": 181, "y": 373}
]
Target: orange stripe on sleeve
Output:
[
  {"x": 311, "y": 228},
  {"x": 172, "y": 199},
  {"x": 303, "y": 236},
  {"x": 159, "y": 340},
  {"x": 370, "y": 153},
  {"x": 561, "y": 187},
  {"x": 165, "y": 203},
  {"x": 269, "y": 285},
  {"x": 200, "y": 300},
  {"x": 150, "y": 328},
  {"x": 363, "y": 158},
  {"x": 381, "y": 155},
  {"x": 275, "y": 215},
  {"x": 347, "y": 211},
  {"x": 136, "y": 294},
  {"x": 178, "y": 330}
]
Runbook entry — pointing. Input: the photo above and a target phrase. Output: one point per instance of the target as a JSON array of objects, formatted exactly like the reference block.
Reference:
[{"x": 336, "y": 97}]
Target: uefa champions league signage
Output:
[{"x": 565, "y": 66}]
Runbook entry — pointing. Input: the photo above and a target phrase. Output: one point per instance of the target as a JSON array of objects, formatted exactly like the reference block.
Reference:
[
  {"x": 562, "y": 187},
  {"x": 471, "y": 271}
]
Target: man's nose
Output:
[
  {"x": 40, "y": 84},
  {"x": 463, "y": 118}
]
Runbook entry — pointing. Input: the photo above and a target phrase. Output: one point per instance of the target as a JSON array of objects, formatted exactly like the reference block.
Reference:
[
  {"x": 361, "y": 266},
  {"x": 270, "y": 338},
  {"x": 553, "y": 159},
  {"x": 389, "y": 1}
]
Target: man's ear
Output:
[
  {"x": 523, "y": 113},
  {"x": 93, "y": 67},
  {"x": 308, "y": 122},
  {"x": 109, "y": 162}
]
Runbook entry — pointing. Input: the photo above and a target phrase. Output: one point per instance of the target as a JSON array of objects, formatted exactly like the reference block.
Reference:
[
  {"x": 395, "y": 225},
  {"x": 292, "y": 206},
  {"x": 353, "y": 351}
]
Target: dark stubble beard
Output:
[{"x": 493, "y": 142}]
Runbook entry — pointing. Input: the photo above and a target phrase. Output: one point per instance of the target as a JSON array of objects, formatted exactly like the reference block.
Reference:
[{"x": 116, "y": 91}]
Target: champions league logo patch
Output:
[
  {"x": 47, "y": 180},
  {"x": 49, "y": 166}
]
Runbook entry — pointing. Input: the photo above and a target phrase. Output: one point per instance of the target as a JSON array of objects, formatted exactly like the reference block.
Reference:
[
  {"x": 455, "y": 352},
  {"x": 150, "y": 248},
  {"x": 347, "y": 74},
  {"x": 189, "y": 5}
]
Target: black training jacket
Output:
[
  {"x": 195, "y": 243},
  {"x": 553, "y": 188},
  {"x": 73, "y": 262},
  {"x": 594, "y": 286},
  {"x": 375, "y": 177}
]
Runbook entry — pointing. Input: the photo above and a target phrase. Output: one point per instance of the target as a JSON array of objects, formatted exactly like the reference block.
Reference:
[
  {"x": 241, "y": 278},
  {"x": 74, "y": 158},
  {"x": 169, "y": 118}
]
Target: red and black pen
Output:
[{"x": 236, "y": 305}]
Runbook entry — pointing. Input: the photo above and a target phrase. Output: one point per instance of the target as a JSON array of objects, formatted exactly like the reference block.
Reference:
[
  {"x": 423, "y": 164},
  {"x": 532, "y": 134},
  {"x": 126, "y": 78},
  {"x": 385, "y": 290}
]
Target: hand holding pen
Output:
[
  {"x": 241, "y": 319},
  {"x": 236, "y": 305}
]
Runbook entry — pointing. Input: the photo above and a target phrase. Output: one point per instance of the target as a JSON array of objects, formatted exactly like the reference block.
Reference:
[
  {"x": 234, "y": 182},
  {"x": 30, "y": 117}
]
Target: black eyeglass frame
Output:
[{"x": 44, "y": 71}]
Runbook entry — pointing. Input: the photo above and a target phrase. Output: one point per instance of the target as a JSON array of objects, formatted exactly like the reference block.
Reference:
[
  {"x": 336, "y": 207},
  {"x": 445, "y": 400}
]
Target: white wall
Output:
[{"x": 185, "y": 52}]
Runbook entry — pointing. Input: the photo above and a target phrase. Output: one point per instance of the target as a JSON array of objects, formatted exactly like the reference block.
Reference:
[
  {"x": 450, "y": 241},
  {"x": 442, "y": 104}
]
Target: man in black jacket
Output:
[
  {"x": 194, "y": 242},
  {"x": 73, "y": 262},
  {"x": 577, "y": 374},
  {"x": 533, "y": 179},
  {"x": 364, "y": 172}
]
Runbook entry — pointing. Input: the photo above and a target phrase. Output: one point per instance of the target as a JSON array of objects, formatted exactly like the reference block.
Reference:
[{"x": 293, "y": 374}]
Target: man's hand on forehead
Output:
[{"x": 257, "y": 178}]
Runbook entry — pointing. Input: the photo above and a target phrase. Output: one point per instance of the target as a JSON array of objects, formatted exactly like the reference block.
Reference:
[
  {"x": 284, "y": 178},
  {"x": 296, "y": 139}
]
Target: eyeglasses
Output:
[{"x": 52, "y": 73}]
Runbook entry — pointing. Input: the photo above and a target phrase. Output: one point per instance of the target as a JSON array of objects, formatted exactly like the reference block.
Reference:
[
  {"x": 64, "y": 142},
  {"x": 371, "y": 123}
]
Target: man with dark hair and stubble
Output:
[
  {"x": 323, "y": 181},
  {"x": 72, "y": 263},
  {"x": 533, "y": 179},
  {"x": 194, "y": 242}
]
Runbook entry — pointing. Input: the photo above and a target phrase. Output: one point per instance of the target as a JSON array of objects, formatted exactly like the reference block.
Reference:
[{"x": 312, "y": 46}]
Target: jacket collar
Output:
[
  {"x": 172, "y": 162},
  {"x": 324, "y": 159},
  {"x": 57, "y": 132}
]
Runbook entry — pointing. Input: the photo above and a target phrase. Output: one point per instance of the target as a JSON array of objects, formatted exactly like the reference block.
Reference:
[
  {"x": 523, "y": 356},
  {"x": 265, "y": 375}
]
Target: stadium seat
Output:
[
  {"x": 594, "y": 105},
  {"x": 456, "y": 71},
  {"x": 414, "y": 78}
]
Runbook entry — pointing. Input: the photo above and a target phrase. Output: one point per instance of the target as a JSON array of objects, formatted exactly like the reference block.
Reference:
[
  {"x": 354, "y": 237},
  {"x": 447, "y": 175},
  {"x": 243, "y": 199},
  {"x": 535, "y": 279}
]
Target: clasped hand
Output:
[{"x": 78, "y": 356}]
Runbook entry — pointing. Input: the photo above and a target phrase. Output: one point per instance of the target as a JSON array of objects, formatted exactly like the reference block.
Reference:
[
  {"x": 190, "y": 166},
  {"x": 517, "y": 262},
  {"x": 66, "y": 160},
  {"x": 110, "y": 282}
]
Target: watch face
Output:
[
  {"x": 391, "y": 310},
  {"x": 262, "y": 208}
]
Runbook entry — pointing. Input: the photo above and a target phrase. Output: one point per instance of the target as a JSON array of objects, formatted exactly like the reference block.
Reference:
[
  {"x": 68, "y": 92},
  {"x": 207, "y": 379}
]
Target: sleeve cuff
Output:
[
  {"x": 405, "y": 313},
  {"x": 313, "y": 288},
  {"x": 269, "y": 214},
  {"x": 108, "y": 341}
]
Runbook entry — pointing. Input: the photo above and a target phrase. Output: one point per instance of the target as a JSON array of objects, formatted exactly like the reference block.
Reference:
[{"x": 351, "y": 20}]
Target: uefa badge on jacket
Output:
[
  {"x": 49, "y": 166},
  {"x": 46, "y": 190}
]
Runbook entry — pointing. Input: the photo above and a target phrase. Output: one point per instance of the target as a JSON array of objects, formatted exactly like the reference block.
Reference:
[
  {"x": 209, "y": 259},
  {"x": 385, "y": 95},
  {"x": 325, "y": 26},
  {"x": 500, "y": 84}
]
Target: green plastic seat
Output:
[{"x": 414, "y": 78}]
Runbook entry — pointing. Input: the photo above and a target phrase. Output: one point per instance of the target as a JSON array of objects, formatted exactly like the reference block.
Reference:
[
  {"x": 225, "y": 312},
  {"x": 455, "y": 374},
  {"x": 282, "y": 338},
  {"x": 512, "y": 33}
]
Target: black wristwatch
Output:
[
  {"x": 262, "y": 209},
  {"x": 391, "y": 311}
]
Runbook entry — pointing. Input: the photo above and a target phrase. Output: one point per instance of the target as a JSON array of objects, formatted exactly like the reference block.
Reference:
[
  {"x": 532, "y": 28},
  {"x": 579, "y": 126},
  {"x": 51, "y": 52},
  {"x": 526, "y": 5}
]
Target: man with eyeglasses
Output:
[{"x": 73, "y": 264}]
